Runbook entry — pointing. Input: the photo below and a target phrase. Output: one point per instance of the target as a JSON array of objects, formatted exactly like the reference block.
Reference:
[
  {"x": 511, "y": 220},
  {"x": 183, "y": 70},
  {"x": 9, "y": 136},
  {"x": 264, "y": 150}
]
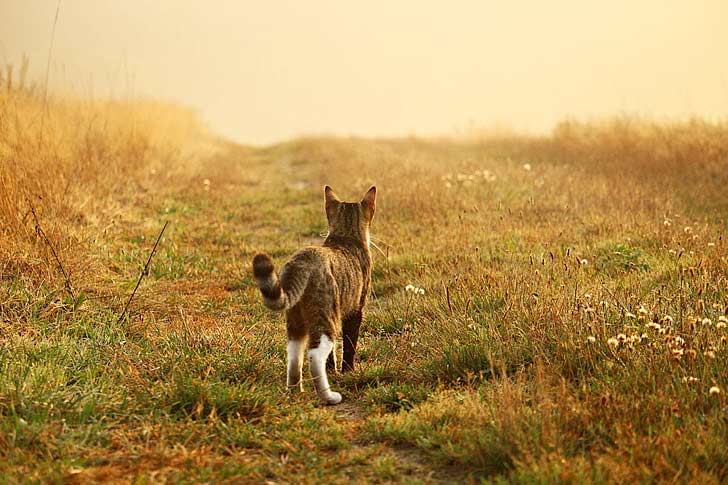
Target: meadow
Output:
[{"x": 544, "y": 309}]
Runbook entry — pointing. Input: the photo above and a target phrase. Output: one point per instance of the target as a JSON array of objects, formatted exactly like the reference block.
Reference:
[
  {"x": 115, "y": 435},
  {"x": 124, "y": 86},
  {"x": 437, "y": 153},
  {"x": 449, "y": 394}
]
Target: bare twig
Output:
[
  {"x": 141, "y": 275},
  {"x": 39, "y": 230},
  {"x": 47, "y": 74}
]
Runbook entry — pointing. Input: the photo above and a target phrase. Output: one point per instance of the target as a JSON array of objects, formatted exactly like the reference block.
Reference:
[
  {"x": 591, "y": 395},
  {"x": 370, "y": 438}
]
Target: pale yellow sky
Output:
[{"x": 259, "y": 72}]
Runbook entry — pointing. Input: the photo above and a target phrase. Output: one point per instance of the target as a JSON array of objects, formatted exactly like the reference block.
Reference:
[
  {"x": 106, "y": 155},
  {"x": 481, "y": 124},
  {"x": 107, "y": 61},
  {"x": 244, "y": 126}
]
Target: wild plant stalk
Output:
[
  {"x": 141, "y": 275},
  {"x": 39, "y": 230}
]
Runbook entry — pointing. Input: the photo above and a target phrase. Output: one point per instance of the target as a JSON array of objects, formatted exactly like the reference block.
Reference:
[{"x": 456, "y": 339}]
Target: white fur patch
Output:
[
  {"x": 317, "y": 361},
  {"x": 296, "y": 349}
]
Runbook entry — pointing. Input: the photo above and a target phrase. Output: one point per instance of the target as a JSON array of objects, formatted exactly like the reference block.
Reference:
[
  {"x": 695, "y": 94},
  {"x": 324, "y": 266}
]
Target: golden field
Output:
[{"x": 571, "y": 327}]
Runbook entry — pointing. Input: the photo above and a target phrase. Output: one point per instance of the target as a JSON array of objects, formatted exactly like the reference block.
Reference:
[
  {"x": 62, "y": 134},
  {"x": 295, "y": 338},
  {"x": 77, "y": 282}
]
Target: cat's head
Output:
[{"x": 350, "y": 218}]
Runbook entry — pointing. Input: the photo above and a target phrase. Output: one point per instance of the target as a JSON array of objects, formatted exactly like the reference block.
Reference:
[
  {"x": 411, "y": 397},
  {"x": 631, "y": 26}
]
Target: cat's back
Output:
[{"x": 324, "y": 260}]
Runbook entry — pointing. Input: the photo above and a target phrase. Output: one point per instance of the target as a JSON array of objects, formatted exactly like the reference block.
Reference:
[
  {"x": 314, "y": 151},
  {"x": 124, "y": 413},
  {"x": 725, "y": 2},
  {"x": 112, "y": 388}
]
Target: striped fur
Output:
[
  {"x": 323, "y": 290},
  {"x": 280, "y": 295}
]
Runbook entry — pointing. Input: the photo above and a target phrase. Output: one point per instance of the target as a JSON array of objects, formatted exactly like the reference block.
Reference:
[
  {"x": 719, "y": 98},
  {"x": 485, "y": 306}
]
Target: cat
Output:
[{"x": 323, "y": 289}]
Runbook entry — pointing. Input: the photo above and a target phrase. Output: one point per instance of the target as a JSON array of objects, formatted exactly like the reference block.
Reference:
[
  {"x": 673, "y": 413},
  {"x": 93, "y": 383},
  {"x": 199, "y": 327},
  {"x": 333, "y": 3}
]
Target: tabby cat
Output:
[{"x": 323, "y": 290}]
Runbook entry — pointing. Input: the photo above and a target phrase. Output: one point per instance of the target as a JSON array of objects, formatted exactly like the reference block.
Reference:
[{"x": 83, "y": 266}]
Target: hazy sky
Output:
[{"x": 265, "y": 71}]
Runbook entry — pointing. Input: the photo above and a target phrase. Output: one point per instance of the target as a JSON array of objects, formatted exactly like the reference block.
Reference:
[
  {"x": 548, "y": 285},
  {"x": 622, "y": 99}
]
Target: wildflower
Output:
[
  {"x": 613, "y": 342},
  {"x": 723, "y": 319},
  {"x": 689, "y": 379},
  {"x": 677, "y": 353},
  {"x": 587, "y": 296},
  {"x": 715, "y": 390},
  {"x": 414, "y": 289},
  {"x": 206, "y": 184},
  {"x": 630, "y": 315},
  {"x": 688, "y": 230},
  {"x": 711, "y": 244},
  {"x": 679, "y": 340},
  {"x": 720, "y": 324},
  {"x": 707, "y": 321},
  {"x": 527, "y": 167},
  {"x": 709, "y": 354},
  {"x": 654, "y": 325},
  {"x": 667, "y": 319},
  {"x": 666, "y": 223},
  {"x": 583, "y": 261},
  {"x": 621, "y": 337},
  {"x": 591, "y": 339}
]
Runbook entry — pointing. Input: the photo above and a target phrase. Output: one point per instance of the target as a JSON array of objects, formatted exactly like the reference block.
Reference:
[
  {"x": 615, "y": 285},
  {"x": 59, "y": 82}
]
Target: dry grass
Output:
[{"x": 571, "y": 325}]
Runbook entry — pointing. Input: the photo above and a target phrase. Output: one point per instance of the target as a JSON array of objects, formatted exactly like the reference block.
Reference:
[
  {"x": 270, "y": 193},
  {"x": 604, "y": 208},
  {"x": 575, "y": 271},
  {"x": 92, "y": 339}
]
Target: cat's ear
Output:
[
  {"x": 369, "y": 202},
  {"x": 332, "y": 202}
]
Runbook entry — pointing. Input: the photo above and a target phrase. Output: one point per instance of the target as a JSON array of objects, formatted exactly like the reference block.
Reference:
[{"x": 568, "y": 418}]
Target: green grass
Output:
[{"x": 503, "y": 370}]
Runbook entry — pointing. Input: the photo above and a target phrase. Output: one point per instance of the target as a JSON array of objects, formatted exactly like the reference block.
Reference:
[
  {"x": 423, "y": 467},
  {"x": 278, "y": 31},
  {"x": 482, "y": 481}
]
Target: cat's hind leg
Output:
[
  {"x": 296, "y": 331},
  {"x": 350, "y": 329},
  {"x": 332, "y": 365},
  {"x": 317, "y": 356},
  {"x": 296, "y": 351}
]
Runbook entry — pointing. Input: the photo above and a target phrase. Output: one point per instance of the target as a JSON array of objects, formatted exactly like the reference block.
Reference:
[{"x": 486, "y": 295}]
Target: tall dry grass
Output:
[{"x": 68, "y": 163}]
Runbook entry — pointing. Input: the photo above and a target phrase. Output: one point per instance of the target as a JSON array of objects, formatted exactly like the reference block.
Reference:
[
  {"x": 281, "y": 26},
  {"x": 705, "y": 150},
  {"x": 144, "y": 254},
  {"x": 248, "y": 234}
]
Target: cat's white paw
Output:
[{"x": 333, "y": 398}]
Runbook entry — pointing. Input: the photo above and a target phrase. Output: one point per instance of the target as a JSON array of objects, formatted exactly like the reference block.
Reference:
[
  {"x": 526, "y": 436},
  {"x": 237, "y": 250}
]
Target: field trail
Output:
[{"x": 542, "y": 308}]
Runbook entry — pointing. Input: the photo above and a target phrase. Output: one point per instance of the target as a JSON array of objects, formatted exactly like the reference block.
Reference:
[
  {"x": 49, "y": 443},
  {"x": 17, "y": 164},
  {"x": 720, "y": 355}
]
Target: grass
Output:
[{"x": 571, "y": 325}]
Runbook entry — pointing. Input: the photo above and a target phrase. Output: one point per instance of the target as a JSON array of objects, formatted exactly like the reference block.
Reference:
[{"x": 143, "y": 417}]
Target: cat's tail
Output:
[{"x": 275, "y": 296}]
